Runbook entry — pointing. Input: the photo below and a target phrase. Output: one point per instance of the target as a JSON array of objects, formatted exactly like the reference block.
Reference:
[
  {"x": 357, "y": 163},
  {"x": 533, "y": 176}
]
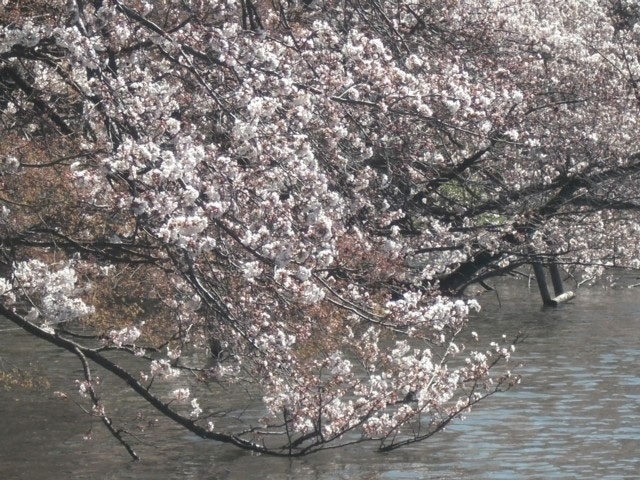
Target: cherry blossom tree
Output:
[{"x": 303, "y": 190}]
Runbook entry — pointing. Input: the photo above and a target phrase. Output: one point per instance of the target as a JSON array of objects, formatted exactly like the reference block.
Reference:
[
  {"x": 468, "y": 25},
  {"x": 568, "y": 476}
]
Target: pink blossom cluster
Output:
[{"x": 313, "y": 185}]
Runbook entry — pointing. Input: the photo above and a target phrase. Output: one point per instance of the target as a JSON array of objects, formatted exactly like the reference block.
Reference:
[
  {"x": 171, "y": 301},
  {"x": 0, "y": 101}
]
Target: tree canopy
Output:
[{"x": 303, "y": 190}]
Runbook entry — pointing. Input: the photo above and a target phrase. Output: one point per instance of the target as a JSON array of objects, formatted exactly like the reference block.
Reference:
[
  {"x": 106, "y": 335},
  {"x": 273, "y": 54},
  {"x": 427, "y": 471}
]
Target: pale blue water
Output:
[{"x": 576, "y": 414}]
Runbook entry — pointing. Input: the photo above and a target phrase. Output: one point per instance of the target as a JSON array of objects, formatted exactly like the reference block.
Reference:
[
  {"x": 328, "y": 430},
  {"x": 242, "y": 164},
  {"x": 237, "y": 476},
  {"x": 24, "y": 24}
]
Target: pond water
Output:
[{"x": 575, "y": 415}]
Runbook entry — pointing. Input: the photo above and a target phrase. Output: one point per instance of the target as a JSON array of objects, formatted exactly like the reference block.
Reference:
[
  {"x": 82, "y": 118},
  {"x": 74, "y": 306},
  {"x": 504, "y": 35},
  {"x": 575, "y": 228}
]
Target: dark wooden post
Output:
[
  {"x": 538, "y": 270},
  {"x": 560, "y": 295},
  {"x": 558, "y": 289}
]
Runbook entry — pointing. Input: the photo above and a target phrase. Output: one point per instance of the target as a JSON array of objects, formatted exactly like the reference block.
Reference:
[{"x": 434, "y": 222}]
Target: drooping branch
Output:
[{"x": 131, "y": 381}]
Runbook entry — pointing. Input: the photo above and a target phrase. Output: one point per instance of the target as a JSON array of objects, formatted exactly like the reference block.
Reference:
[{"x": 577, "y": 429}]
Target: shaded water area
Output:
[{"x": 575, "y": 415}]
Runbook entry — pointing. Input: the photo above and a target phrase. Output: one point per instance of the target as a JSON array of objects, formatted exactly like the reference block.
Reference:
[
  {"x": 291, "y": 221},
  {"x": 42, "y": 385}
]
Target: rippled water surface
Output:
[{"x": 575, "y": 415}]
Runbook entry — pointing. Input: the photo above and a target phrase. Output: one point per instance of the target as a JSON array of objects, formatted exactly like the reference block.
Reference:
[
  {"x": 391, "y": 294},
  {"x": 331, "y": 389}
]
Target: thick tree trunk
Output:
[
  {"x": 456, "y": 280},
  {"x": 538, "y": 270}
]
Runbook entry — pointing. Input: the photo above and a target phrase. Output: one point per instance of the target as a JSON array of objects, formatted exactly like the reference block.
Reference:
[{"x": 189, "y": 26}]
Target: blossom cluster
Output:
[{"x": 304, "y": 192}]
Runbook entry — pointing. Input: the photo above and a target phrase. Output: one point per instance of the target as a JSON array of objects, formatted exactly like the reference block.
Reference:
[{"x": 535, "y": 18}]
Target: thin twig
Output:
[{"x": 98, "y": 409}]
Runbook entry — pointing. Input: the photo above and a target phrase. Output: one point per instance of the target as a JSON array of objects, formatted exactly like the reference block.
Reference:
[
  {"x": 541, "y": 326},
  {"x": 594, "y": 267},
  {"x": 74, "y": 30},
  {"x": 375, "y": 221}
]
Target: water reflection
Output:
[{"x": 576, "y": 414}]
